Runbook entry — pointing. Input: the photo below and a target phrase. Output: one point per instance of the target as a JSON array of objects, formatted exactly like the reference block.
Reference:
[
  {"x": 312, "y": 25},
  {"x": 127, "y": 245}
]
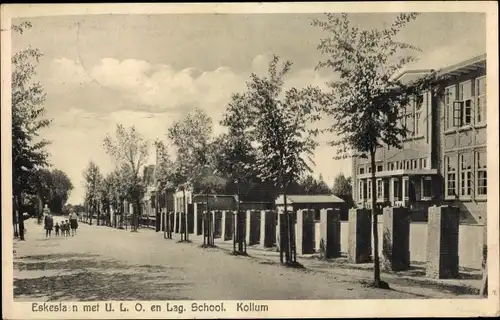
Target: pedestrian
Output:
[
  {"x": 67, "y": 228},
  {"x": 73, "y": 219},
  {"x": 49, "y": 224},
  {"x": 57, "y": 227}
]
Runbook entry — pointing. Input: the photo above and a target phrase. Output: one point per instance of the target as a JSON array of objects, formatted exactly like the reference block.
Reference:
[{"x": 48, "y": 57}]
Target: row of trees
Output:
[
  {"x": 33, "y": 184},
  {"x": 272, "y": 132}
]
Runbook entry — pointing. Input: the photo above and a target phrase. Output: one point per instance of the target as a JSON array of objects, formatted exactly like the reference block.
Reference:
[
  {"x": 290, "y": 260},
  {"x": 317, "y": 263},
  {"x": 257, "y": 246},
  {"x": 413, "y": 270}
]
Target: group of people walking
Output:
[{"x": 62, "y": 229}]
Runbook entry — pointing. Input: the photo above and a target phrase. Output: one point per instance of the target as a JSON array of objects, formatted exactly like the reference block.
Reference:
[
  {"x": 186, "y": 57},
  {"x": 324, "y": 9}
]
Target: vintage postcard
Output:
[{"x": 252, "y": 160}]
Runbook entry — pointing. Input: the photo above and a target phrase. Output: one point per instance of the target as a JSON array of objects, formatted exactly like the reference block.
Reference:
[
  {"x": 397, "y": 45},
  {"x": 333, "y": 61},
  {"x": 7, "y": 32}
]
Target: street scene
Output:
[{"x": 249, "y": 157}]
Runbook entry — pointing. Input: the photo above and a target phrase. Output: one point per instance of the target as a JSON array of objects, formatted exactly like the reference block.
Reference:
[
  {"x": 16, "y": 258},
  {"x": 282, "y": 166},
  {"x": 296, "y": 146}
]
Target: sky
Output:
[{"x": 150, "y": 70}]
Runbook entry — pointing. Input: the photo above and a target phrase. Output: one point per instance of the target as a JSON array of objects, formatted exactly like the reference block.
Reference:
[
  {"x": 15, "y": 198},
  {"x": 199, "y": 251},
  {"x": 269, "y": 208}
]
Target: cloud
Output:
[{"x": 87, "y": 103}]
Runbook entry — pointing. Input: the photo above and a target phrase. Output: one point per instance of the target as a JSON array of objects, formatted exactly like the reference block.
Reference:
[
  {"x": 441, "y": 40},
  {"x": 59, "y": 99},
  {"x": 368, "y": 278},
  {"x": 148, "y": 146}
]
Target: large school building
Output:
[{"x": 443, "y": 160}]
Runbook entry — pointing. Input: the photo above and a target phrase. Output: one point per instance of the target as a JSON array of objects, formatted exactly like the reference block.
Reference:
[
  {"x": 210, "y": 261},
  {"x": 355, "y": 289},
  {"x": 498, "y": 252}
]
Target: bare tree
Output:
[{"x": 130, "y": 151}]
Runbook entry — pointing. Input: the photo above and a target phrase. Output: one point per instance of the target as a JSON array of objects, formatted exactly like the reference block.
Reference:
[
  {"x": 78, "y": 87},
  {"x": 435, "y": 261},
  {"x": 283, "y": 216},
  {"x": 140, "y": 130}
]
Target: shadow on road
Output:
[{"x": 90, "y": 278}]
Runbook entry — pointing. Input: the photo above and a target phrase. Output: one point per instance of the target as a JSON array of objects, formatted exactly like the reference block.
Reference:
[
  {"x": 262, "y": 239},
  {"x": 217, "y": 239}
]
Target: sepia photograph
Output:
[{"x": 218, "y": 161}]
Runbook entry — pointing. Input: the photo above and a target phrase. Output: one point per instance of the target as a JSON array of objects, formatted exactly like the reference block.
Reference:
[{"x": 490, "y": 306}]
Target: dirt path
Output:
[{"x": 102, "y": 263}]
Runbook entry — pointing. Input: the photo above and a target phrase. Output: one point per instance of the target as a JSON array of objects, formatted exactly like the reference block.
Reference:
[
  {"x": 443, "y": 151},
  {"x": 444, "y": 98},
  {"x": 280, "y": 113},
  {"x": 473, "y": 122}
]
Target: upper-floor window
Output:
[
  {"x": 419, "y": 107},
  {"x": 362, "y": 170},
  {"x": 380, "y": 168},
  {"x": 390, "y": 165},
  {"x": 413, "y": 119},
  {"x": 465, "y": 103},
  {"x": 450, "y": 94},
  {"x": 481, "y": 100}
]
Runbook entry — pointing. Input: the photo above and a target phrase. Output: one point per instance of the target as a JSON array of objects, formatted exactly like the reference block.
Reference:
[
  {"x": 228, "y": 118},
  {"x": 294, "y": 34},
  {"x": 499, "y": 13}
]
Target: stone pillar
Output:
[
  {"x": 391, "y": 191},
  {"x": 239, "y": 225},
  {"x": 217, "y": 223},
  {"x": 330, "y": 233},
  {"x": 227, "y": 225},
  {"x": 176, "y": 222},
  {"x": 442, "y": 242},
  {"x": 195, "y": 218},
  {"x": 360, "y": 235},
  {"x": 305, "y": 231},
  {"x": 396, "y": 239},
  {"x": 279, "y": 236},
  {"x": 267, "y": 228},
  {"x": 252, "y": 227}
]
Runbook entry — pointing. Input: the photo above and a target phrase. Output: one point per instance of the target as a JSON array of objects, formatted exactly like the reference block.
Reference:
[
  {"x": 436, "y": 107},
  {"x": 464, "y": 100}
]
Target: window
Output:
[
  {"x": 362, "y": 192},
  {"x": 406, "y": 187},
  {"x": 409, "y": 122},
  {"x": 451, "y": 176},
  {"x": 463, "y": 107},
  {"x": 414, "y": 164},
  {"x": 397, "y": 165},
  {"x": 449, "y": 97},
  {"x": 481, "y": 173},
  {"x": 481, "y": 99},
  {"x": 465, "y": 174},
  {"x": 361, "y": 170},
  {"x": 369, "y": 189},
  {"x": 424, "y": 163},
  {"x": 426, "y": 188},
  {"x": 380, "y": 189},
  {"x": 413, "y": 119},
  {"x": 390, "y": 165},
  {"x": 386, "y": 189},
  {"x": 380, "y": 168},
  {"x": 419, "y": 107},
  {"x": 407, "y": 165},
  {"x": 397, "y": 190},
  {"x": 369, "y": 169}
]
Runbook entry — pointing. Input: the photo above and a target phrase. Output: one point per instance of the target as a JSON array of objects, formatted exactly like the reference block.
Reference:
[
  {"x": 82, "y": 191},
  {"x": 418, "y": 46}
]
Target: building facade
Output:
[
  {"x": 443, "y": 159},
  {"x": 312, "y": 202}
]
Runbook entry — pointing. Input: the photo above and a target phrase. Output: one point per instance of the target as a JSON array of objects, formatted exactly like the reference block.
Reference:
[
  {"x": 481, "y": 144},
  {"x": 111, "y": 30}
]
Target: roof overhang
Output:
[
  {"x": 455, "y": 70},
  {"x": 399, "y": 173},
  {"x": 464, "y": 67}
]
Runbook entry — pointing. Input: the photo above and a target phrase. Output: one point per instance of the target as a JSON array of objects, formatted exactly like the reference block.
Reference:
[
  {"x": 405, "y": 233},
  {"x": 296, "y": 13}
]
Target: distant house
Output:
[
  {"x": 313, "y": 202},
  {"x": 216, "y": 201}
]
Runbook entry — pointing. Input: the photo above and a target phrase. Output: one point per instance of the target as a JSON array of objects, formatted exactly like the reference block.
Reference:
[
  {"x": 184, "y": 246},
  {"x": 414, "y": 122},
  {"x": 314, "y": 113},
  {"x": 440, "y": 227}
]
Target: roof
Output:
[
  {"x": 310, "y": 199},
  {"x": 464, "y": 66},
  {"x": 456, "y": 69}
]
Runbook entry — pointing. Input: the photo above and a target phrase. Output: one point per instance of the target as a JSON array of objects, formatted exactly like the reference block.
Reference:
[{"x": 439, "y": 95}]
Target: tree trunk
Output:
[
  {"x": 19, "y": 216},
  {"x": 91, "y": 214},
  {"x": 205, "y": 223},
  {"x": 376, "y": 260},
  {"x": 136, "y": 216},
  {"x": 288, "y": 221},
  {"x": 98, "y": 215},
  {"x": 236, "y": 222},
  {"x": 184, "y": 206}
]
